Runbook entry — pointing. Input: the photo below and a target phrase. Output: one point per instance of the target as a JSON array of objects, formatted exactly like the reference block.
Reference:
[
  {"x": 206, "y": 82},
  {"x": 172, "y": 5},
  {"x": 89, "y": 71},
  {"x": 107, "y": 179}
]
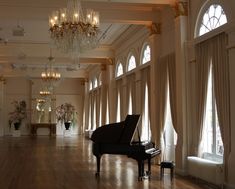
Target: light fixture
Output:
[
  {"x": 72, "y": 30},
  {"x": 50, "y": 75},
  {"x": 45, "y": 93}
]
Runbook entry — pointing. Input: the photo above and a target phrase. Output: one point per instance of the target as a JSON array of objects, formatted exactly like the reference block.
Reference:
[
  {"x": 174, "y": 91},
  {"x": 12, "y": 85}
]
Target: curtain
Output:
[
  {"x": 161, "y": 92},
  {"x": 145, "y": 118},
  {"x": 131, "y": 91},
  {"x": 222, "y": 93},
  {"x": 118, "y": 92},
  {"x": 172, "y": 89},
  {"x": 202, "y": 73}
]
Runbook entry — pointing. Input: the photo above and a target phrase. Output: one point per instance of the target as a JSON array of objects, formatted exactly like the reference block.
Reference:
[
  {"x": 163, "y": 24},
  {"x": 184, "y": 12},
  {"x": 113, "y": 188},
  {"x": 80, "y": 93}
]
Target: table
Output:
[{"x": 50, "y": 126}]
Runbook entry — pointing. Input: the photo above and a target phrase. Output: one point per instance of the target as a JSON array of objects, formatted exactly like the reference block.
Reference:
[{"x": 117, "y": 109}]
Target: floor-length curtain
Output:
[
  {"x": 118, "y": 95},
  {"x": 161, "y": 92},
  {"x": 202, "y": 72},
  {"x": 222, "y": 92},
  {"x": 131, "y": 91},
  {"x": 172, "y": 89},
  {"x": 145, "y": 118},
  {"x": 89, "y": 111}
]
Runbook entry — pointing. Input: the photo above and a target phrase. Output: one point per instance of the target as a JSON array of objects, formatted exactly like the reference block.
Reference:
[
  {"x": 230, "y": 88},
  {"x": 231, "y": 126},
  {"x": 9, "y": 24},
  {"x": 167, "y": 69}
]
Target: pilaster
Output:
[{"x": 181, "y": 13}]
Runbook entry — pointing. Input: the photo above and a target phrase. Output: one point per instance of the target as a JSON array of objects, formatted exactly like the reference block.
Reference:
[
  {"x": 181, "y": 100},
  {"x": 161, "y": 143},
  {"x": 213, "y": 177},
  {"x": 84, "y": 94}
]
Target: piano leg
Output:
[
  {"x": 149, "y": 167},
  {"x": 140, "y": 170},
  {"x": 98, "y": 165}
]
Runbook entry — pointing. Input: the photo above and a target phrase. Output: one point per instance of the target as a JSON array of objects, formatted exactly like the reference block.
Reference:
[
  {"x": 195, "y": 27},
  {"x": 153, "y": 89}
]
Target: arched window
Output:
[
  {"x": 131, "y": 63},
  {"x": 119, "y": 70},
  {"x": 95, "y": 83},
  {"x": 213, "y": 18},
  {"x": 146, "y": 54}
]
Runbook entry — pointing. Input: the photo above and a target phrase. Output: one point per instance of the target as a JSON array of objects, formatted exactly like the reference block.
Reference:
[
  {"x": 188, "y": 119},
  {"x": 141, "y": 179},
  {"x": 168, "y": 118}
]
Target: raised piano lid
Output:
[{"x": 128, "y": 131}]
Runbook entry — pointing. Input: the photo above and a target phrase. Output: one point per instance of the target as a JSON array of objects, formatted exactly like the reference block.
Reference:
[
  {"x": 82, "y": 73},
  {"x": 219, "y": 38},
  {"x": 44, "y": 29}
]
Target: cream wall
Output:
[{"x": 68, "y": 90}]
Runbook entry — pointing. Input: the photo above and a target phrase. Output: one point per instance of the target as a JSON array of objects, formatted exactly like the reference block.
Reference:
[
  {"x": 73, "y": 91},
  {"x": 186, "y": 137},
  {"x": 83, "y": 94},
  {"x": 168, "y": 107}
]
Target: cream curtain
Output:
[
  {"x": 222, "y": 93},
  {"x": 145, "y": 80},
  {"x": 202, "y": 72},
  {"x": 131, "y": 89},
  {"x": 119, "y": 91},
  {"x": 172, "y": 89},
  {"x": 161, "y": 92}
]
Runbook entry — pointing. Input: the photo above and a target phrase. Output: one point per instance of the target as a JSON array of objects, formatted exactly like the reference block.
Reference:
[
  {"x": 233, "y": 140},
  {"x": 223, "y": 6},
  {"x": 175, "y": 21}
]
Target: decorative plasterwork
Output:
[
  {"x": 181, "y": 8},
  {"x": 103, "y": 67},
  {"x": 155, "y": 28}
]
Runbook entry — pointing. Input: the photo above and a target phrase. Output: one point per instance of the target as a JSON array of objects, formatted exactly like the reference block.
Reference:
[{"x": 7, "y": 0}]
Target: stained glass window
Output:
[{"x": 119, "y": 70}]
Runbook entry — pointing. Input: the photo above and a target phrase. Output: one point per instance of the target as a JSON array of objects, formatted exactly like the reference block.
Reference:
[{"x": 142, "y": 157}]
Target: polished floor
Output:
[{"x": 68, "y": 163}]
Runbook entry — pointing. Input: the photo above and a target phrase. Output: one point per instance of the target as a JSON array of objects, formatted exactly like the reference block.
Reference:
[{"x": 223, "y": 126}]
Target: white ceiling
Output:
[{"x": 21, "y": 55}]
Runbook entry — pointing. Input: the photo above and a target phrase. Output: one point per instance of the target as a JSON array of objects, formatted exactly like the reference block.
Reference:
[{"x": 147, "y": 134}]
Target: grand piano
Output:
[{"x": 117, "y": 138}]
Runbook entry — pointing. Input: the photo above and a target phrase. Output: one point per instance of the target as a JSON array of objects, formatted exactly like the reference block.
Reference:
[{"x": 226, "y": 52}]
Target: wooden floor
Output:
[{"x": 68, "y": 163}]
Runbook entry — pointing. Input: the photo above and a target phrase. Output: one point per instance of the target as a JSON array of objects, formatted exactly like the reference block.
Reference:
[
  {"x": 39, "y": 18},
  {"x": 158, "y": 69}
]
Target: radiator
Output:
[{"x": 206, "y": 170}]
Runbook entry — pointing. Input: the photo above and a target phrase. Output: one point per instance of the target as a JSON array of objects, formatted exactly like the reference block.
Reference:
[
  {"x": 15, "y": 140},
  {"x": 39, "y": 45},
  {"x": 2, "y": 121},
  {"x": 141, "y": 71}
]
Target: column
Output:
[
  {"x": 85, "y": 122},
  {"x": 230, "y": 183},
  {"x": 155, "y": 43},
  {"x": 181, "y": 13},
  {"x": 2, "y": 82}
]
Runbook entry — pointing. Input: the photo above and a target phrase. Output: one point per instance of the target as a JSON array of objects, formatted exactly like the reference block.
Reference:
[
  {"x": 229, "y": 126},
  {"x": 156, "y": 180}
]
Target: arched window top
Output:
[
  {"x": 119, "y": 70},
  {"x": 212, "y": 18},
  {"x": 95, "y": 83},
  {"x": 131, "y": 63},
  {"x": 146, "y": 56},
  {"x": 90, "y": 86}
]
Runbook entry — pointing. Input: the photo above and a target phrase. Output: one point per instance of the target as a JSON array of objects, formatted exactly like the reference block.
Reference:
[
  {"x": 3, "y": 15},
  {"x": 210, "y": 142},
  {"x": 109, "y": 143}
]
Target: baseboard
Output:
[{"x": 181, "y": 172}]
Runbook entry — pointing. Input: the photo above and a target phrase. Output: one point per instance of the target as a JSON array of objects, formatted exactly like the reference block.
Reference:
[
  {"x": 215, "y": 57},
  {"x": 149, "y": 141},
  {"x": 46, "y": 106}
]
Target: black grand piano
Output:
[{"x": 116, "y": 138}]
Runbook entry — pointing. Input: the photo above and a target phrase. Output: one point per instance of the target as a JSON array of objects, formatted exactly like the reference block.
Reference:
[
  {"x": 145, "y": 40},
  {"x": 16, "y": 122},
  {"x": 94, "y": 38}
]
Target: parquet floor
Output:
[{"x": 68, "y": 163}]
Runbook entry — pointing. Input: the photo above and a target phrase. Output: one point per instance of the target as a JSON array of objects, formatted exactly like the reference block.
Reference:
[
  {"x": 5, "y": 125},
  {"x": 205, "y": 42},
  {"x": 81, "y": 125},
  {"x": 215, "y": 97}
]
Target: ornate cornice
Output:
[
  {"x": 155, "y": 28},
  {"x": 181, "y": 8}
]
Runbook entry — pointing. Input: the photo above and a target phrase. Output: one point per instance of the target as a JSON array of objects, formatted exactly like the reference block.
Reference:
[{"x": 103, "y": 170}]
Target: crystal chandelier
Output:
[
  {"x": 50, "y": 74},
  {"x": 72, "y": 30},
  {"x": 45, "y": 93}
]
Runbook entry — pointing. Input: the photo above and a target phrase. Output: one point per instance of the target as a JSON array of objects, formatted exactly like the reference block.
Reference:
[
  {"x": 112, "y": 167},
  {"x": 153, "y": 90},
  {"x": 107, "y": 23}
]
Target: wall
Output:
[{"x": 68, "y": 90}]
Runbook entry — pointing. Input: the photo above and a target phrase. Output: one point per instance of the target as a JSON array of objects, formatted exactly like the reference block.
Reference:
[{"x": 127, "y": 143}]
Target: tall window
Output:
[
  {"x": 118, "y": 108},
  {"x": 95, "y": 83},
  {"x": 107, "y": 110},
  {"x": 213, "y": 18},
  {"x": 129, "y": 103},
  {"x": 131, "y": 63},
  {"x": 90, "y": 86},
  {"x": 146, "y": 55},
  {"x": 146, "y": 132},
  {"x": 119, "y": 70},
  {"x": 212, "y": 141}
]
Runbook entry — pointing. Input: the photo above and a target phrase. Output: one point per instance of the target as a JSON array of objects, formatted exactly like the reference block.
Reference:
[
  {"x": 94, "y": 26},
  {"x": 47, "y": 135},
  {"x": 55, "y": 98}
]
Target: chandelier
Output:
[
  {"x": 45, "y": 93},
  {"x": 50, "y": 74},
  {"x": 72, "y": 30}
]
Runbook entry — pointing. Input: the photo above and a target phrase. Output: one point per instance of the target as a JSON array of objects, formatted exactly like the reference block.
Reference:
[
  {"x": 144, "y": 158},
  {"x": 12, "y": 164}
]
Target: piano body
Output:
[{"x": 116, "y": 138}]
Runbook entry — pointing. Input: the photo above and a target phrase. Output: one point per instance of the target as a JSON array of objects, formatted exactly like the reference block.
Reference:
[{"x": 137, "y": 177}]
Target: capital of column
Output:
[
  {"x": 2, "y": 79},
  {"x": 155, "y": 28},
  {"x": 103, "y": 67},
  {"x": 181, "y": 8},
  {"x": 84, "y": 81}
]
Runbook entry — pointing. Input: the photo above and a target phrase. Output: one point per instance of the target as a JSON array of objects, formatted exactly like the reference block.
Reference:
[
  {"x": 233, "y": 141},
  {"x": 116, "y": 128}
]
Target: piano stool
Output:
[{"x": 167, "y": 164}]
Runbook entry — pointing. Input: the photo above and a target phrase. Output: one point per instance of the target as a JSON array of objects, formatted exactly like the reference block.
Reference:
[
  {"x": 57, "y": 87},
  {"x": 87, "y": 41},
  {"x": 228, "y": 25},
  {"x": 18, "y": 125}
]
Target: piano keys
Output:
[{"x": 116, "y": 138}]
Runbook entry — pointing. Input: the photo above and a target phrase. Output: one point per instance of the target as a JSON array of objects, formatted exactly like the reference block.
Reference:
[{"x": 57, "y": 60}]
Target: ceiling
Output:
[{"x": 27, "y": 54}]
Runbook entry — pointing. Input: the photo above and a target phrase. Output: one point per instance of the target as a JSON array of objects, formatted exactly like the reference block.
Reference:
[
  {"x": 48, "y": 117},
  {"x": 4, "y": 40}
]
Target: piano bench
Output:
[{"x": 167, "y": 164}]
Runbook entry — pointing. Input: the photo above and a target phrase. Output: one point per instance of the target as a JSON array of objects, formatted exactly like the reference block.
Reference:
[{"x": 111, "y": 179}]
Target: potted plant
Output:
[
  {"x": 19, "y": 114},
  {"x": 66, "y": 114}
]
